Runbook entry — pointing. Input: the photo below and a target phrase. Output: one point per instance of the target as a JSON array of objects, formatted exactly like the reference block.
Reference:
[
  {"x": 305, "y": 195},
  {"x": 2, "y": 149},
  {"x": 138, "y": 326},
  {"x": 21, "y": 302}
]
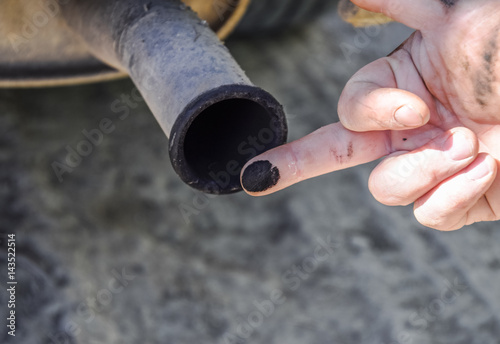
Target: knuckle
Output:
[{"x": 294, "y": 166}]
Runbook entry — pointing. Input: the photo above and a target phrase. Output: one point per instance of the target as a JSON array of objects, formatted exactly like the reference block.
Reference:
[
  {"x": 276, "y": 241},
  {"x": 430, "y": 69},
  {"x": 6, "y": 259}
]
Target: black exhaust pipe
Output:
[{"x": 215, "y": 119}]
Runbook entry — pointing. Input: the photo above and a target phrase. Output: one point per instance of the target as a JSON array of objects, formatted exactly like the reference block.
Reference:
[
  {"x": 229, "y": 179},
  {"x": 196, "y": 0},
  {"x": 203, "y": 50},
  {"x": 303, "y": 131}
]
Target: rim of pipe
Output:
[{"x": 216, "y": 170}]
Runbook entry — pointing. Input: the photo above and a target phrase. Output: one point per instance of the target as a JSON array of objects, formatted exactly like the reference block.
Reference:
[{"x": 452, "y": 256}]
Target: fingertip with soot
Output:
[{"x": 260, "y": 176}]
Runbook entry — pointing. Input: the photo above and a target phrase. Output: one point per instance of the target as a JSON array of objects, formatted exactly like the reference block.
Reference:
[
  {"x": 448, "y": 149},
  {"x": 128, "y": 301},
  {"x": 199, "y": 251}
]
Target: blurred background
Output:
[{"x": 121, "y": 251}]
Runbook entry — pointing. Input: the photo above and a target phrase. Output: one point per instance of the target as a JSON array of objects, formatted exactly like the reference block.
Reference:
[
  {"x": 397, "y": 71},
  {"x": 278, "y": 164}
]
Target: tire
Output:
[{"x": 272, "y": 15}]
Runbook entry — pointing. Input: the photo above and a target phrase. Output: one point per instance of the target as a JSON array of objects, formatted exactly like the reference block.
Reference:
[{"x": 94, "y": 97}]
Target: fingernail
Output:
[
  {"x": 408, "y": 116},
  {"x": 458, "y": 147},
  {"x": 260, "y": 176},
  {"x": 480, "y": 171}
]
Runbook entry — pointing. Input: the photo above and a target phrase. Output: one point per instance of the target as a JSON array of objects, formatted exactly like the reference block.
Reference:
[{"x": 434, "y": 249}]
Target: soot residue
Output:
[
  {"x": 485, "y": 78},
  {"x": 260, "y": 176}
]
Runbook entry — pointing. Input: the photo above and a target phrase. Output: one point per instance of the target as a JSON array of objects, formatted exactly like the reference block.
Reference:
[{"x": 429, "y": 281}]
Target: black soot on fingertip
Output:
[
  {"x": 260, "y": 176},
  {"x": 449, "y": 3}
]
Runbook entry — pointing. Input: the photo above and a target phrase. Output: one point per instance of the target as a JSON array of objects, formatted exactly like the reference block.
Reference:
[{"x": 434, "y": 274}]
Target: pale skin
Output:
[{"x": 431, "y": 108}]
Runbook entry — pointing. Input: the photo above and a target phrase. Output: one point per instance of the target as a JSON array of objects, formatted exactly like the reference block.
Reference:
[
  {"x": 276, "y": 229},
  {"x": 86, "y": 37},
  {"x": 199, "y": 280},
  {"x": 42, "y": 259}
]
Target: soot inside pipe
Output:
[{"x": 224, "y": 137}]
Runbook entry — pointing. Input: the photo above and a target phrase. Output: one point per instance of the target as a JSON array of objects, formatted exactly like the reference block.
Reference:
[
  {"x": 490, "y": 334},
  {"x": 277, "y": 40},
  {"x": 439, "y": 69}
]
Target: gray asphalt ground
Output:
[{"x": 106, "y": 255}]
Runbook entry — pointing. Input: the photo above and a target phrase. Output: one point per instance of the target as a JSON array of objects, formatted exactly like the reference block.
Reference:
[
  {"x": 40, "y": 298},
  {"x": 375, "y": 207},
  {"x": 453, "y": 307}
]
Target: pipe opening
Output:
[{"x": 223, "y": 137}]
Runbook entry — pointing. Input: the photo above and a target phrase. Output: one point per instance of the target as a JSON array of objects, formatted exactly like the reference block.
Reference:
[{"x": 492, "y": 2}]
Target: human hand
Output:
[{"x": 432, "y": 108}]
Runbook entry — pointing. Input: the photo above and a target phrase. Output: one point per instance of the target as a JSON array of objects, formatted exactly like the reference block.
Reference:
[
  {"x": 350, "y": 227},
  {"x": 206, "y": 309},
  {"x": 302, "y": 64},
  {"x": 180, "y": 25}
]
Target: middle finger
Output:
[{"x": 404, "y": 177}]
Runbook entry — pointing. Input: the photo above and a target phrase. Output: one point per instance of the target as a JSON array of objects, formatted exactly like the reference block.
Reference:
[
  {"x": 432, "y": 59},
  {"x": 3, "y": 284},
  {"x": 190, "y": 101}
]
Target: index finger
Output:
[{"x": 328, "y": 149}]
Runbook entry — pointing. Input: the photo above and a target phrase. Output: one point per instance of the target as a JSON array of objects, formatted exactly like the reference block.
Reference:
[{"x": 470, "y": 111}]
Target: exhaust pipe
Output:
[{"x": 215, "y": 118}]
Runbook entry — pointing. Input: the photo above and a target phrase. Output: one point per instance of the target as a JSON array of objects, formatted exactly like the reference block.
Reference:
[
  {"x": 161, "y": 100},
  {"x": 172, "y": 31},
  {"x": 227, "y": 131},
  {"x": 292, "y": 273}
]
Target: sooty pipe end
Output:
[{"x": 218, "y": 132}]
